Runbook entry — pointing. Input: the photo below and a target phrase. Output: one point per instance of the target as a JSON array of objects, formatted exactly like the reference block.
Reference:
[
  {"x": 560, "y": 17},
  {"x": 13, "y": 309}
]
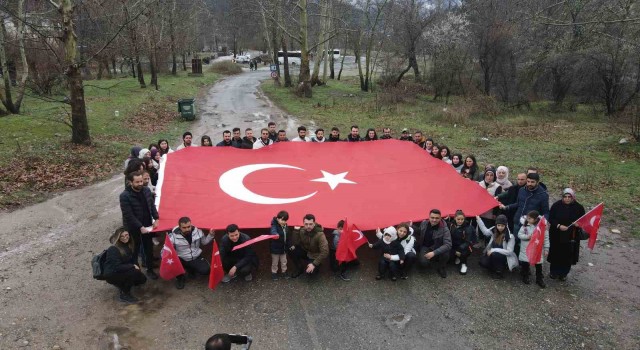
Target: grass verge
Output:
[
  {"x": 576, "y": 149},
  {"x": 38, "y": 158}
]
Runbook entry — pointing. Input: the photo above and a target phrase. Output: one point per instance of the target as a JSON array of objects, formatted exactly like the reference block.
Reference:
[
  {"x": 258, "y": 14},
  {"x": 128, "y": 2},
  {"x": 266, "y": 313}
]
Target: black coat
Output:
[
  {"x": 393, "y": 248},
  {"x": 115, "y": 262},
  {"x": 461, "y": 237},
  {"x": 240, "y": 257},
  {"x": 133, "y": 209},
  {"x": 564, "y": 249},
  {"x": 279, "y": 246}
]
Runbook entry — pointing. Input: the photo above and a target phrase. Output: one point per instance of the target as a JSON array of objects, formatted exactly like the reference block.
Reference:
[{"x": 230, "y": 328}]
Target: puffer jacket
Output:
[
  {"x": 185, "y": 250},
  {"x": 525, "y": 233},
  {"x": 314, "y": 243},
  {"x": 132, "y": 209},
  {"x": 508, "y": 244},
  {"x": 279, "y": 246},
  {"x": 528, "y": 200},
  {"x": 115, "y": 262}
]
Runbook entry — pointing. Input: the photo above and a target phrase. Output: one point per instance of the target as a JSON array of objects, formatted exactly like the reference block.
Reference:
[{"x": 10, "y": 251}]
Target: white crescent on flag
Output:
[{"x": 361, "y": 236}]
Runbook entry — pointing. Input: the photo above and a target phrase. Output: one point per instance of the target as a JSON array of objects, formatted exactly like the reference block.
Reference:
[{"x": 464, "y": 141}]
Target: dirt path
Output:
[{"x": 48, "y": 298}]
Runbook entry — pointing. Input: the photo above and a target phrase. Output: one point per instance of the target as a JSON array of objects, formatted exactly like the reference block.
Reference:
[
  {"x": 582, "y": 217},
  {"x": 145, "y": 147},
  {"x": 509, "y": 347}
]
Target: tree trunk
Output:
[
  {"x": 7, "y": 98},
  {"x": 285, "y": 59},
  {"x": 79, "y": 123},
  {"x": 304, "y": 85},
  {"x": 344, "y": 54},
  {"x": 172, "y": 34},
  {"x": 320, "y": 52},
  {"x": 184, "y": 61}
]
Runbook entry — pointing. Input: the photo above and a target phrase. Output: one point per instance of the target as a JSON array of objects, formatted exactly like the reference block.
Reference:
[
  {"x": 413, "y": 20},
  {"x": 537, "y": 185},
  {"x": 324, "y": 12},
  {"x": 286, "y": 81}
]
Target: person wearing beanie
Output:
[
  {"x": 499, "y": 252},
  {"x": 564, "y": 239},
  {"x": 525, "y": 233},
  {"x": 392, "y": 253},
  {"x": 493, "y": 188},
  {"x": 434, "y": 242},
  {"x": 462, "y": 236}
]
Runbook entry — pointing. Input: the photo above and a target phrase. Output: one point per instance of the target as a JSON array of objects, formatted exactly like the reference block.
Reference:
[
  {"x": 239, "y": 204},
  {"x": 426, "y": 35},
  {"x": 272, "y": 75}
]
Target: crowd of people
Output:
[{"x": 499, "y": 236}]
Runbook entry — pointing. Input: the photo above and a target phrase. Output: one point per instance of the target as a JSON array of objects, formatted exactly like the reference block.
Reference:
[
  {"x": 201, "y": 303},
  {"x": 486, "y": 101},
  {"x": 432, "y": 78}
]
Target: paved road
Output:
[{"x": 48, "y": 298}]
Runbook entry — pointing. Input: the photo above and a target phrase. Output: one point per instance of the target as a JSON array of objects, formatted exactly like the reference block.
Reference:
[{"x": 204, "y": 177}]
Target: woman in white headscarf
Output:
[{"x": 502, "y": 177}]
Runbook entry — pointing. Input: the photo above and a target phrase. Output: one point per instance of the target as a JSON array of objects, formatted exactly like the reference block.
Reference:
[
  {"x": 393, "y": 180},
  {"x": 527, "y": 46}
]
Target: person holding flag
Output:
[
  {"x": 237, "y": 262},
  {"x": 187, "y": 241},
  {"x": 564, "y": 237},
  {"x": 278, "y": 246},
  {"x": 534, "y": 232}
]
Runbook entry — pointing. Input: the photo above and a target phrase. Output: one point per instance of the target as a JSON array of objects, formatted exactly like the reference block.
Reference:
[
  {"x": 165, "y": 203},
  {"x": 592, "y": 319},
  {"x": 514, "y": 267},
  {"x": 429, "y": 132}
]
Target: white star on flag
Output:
[
  {"x": 334, "y": 179},
  {"x": 169, "y": 261},
  {"x": 537, "y": 241}
]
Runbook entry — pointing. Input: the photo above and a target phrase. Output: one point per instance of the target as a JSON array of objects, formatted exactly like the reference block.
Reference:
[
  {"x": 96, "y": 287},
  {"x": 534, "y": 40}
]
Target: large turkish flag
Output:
[{"x": 375, "y": 184}]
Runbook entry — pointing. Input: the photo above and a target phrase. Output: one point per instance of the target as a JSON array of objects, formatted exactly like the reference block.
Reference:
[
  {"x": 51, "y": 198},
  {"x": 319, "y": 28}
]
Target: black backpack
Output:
[{"x": 97, "y": 264}]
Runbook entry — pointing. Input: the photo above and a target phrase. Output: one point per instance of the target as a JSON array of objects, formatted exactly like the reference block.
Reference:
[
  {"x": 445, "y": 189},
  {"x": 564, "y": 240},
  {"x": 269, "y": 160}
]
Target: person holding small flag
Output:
[
  {"x": 528, "y": 235},
  {"x": 278, "y": 247},
  {"x": 187, "y": 241},
  {"x": 564, "y": 238}
]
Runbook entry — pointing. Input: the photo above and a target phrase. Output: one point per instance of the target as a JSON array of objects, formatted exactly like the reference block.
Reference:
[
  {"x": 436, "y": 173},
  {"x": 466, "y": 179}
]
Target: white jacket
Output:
[
  {"x": 259, "y": 144},
  {"x": 525, "y": 234},
  {"x": 507, "y": 247},
  {"x": 407, "y": 243},
  {"x": 185, "y": 250}
]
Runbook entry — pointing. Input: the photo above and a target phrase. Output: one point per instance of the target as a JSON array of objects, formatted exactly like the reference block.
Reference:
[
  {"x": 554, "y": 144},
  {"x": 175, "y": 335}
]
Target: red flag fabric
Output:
[
  {"x": 217, "y": 273},
  {"x": 590, "y": 223},
  {"x": 170, "y": 265},
  {"x": 350, "y": 240},
  {"x": 534, "y": 249},
  {"x": 255, "y": 240},
  {"x": 215, "y": 186}
]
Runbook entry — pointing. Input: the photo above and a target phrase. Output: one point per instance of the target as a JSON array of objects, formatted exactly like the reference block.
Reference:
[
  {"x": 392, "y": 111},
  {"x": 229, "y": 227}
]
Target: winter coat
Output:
[
  {"x": 438, "y": 241},
  {"x": 116, "y": 263},
  {"x": 564, "y": 247},
  {"x": 280, "y": 245},
  {"x": 528, "y": 200},
  {"x": 236, "y": 143},
  {"x": 299, "y": 139},
  {"x": 525, "y": 237},
  {"x": 394, "y": 248},
  {"x": 314, "y": 243},
  {"x": 462, "y": 236},
  {"x": 247, "y": 143},
  {"x": 242, "y": 257},
  {"x": 133, "y": 210},
  {"x": 408, "y": 243},
  {"x": 259, "y": 144},
  {"x": 352, "y": 139},
  {"x": 185, "y": 250},
  {"x": 224, "y": 144},
  {"x": 508, "y": 244}
]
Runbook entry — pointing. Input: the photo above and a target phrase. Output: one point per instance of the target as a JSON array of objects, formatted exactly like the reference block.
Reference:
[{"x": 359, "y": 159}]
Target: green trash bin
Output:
[{"x": 187, "y": 108}]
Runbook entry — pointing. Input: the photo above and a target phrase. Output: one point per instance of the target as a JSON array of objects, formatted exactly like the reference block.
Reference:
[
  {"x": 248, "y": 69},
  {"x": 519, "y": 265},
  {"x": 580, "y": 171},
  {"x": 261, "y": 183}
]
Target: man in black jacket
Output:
[
  {"x": 236, "y": 140},
  {"x": 434, "y": 243},
  {"x": 226, "y": 139},
  {"x": 241, "y": 262},
  {"x": 139, "y": 216}
]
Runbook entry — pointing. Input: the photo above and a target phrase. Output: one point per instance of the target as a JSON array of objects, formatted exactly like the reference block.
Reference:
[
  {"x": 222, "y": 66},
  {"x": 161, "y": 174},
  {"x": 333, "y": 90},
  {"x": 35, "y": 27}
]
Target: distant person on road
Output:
[
  {"x": 139, "y": 216},
  {"x": 273, "y": 134},
  {"x": 264, "y": 139},
  {"x": 282, "y": 136},
  {"x": 120, "y": 265},
  {"x": 309, "y": 247},
  {"x": 392, "y": 253},
  {"x": 525, "y": 233},
  {"x": 371, "y": 135},
  {"x": 248, "y": 140},
  {"x": 302, "y": 135},
  {"x": 354, "y": 136},
  {"x": 236, "y": 140},
  {"x": 226, "y": 140},
  {"x": 564, "y": 239},
  {"x": 187, "y": 138},
  {"x": 278, "y": 247},
  {"x": 499, "y": 252},
  {"x": 386, "y": 134},
  {"x": 241, "y": 262},
  {"x": 319, "y": 136},
  {"x": 335, "y": 135},
  {"x": 434, "y": 243},
  {"x": 188, "y": 241},
  {"x": 205, "y": 141}
]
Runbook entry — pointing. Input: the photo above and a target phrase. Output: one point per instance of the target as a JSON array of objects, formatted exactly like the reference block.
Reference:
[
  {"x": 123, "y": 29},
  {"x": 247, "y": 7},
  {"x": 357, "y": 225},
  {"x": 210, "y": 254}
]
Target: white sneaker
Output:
[
  {"x": 457, "y": 261},
  {"x": 463, "y": 269}
]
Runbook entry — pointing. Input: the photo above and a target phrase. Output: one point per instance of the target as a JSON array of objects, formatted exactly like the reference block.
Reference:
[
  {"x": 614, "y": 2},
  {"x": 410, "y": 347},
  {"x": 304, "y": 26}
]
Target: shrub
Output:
[{"x": 226, "y": 68}]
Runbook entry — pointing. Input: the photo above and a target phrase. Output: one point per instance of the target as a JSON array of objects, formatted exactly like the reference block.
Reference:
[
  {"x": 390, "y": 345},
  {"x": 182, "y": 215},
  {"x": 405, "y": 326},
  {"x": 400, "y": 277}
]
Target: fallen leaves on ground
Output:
[{"x": 152, "y": 117}]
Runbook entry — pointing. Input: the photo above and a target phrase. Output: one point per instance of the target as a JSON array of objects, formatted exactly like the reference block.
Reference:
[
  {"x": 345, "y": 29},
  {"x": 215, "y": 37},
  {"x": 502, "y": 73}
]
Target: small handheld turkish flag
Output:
[
  {"x": 255, "y": 240},
  {"x": 534, "y": 249},
  {"x": 170, "y": 265},
  {"x": 350, "y": 240},
  {"x": 217, "y": 273},
  {"x": 590, "y": 223}
]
